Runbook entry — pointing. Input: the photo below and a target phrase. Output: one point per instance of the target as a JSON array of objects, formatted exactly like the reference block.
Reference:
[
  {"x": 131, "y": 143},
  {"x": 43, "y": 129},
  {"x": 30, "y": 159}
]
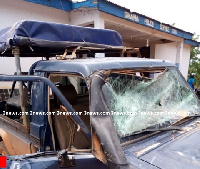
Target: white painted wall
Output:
[
  {"x": 166, "y": 51},
  {"x": 15, "y": 10},
  {"x": 7, "y": 66},
  {"x": 83, "y": 17},
  {"x": 184, "y": 64}
]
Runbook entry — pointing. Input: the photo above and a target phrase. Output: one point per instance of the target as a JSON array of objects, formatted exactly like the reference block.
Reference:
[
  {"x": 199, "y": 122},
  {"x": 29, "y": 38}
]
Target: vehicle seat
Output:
[
  {"x": 61, "y": 126},
  {"x": 69, "y": 92},
  {"x": 63, "y": 134}
]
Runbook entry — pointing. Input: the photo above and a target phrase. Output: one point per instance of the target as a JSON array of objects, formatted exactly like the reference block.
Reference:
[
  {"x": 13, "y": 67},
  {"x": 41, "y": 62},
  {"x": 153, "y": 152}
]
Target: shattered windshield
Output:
[{"x": 147, "y": 98}]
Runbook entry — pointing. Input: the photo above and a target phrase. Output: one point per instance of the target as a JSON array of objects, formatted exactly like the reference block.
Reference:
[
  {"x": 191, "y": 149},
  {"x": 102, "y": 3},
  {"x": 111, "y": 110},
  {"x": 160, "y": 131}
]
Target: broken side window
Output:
[{"x": 145, "y": 98}]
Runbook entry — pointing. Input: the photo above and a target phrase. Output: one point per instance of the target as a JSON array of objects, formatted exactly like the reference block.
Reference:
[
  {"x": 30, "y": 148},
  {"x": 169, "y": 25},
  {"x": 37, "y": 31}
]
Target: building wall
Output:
[
  {"x": 184, "y": 64},
  {"x": 16, "y": 10},
  {"x": 83, "y": 17},
  {"x": 166, "y": 51},
  {"x": 7, "y": 66}
]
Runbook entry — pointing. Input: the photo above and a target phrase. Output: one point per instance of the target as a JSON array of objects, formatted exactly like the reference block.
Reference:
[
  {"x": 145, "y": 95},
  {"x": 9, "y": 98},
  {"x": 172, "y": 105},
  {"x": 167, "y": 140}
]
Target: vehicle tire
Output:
[{"x": 3, "y": 149}]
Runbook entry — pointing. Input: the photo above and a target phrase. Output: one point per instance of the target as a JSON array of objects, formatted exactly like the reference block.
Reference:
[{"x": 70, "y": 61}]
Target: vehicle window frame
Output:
[{"x": 48, "y": 108}]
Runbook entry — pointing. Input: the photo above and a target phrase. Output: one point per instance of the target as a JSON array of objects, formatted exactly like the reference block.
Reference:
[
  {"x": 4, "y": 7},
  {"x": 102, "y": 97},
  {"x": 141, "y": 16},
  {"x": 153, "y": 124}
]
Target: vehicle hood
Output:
[{"x": 169, "y": 151}]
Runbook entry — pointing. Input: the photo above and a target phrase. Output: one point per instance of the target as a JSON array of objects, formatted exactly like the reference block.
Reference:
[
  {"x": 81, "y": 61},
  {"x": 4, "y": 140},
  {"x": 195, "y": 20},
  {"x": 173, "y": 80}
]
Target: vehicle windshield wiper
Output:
[
  {"x": 172, "y": 127},
  {"x": 151, "y": 133},
  {"x": 158, "y": 129},
  {"x": 186, "y": 117},
  {"x": 195, "y": 115}
]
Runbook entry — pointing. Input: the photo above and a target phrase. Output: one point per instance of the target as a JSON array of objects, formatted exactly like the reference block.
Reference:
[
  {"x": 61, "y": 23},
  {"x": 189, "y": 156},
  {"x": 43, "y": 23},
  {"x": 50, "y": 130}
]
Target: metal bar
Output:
[
  {"x": 55, "y": 90},
  {"x": 12, "y": 89},
  {"x": 16, "y": 53}
]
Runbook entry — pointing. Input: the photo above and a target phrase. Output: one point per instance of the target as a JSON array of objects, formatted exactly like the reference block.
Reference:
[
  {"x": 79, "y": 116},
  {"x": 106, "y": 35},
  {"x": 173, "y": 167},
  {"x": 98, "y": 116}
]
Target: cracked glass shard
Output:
[{"x": 148, "y": 99}]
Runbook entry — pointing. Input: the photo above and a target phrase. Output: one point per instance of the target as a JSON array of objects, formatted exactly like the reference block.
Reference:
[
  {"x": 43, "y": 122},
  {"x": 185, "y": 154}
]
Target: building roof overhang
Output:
[
  {"x": 121, "y": 12},
  {"x": 124, "y": 13}
]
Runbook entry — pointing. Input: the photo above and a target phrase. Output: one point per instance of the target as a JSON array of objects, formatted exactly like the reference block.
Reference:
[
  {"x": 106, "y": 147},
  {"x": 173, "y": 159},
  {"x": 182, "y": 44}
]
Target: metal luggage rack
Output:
[{"x": 73, "y": 53}]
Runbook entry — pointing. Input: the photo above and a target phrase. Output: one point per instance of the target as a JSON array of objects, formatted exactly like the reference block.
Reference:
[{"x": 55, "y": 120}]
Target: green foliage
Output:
[{"x": 194, "y": 66}]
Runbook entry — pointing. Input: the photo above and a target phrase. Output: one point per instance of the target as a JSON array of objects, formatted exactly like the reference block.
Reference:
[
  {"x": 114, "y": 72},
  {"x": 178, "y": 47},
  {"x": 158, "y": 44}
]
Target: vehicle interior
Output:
[{"x": 67, "y": 133}]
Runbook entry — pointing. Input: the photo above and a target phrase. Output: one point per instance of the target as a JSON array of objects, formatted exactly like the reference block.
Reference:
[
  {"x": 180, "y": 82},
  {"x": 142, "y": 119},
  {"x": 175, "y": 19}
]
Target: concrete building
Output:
[{"x": 154, "y": 39}]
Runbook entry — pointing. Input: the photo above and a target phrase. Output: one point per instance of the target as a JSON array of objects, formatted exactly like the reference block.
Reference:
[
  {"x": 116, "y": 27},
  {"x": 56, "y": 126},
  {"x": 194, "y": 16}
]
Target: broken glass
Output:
[{"x": 143, "y": 99}]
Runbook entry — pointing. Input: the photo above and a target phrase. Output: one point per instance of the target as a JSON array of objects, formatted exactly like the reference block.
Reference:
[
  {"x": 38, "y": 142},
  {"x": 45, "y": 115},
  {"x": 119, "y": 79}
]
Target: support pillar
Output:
[
  {"x": 16, "y": 53},
  {"x": 99, "y": 23},
  {"x": 179, "y": 53}
]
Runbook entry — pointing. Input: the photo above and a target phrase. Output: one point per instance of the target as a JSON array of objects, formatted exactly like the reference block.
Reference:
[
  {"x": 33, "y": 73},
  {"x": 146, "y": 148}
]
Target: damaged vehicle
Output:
[{"x": 77, "y": 111}]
